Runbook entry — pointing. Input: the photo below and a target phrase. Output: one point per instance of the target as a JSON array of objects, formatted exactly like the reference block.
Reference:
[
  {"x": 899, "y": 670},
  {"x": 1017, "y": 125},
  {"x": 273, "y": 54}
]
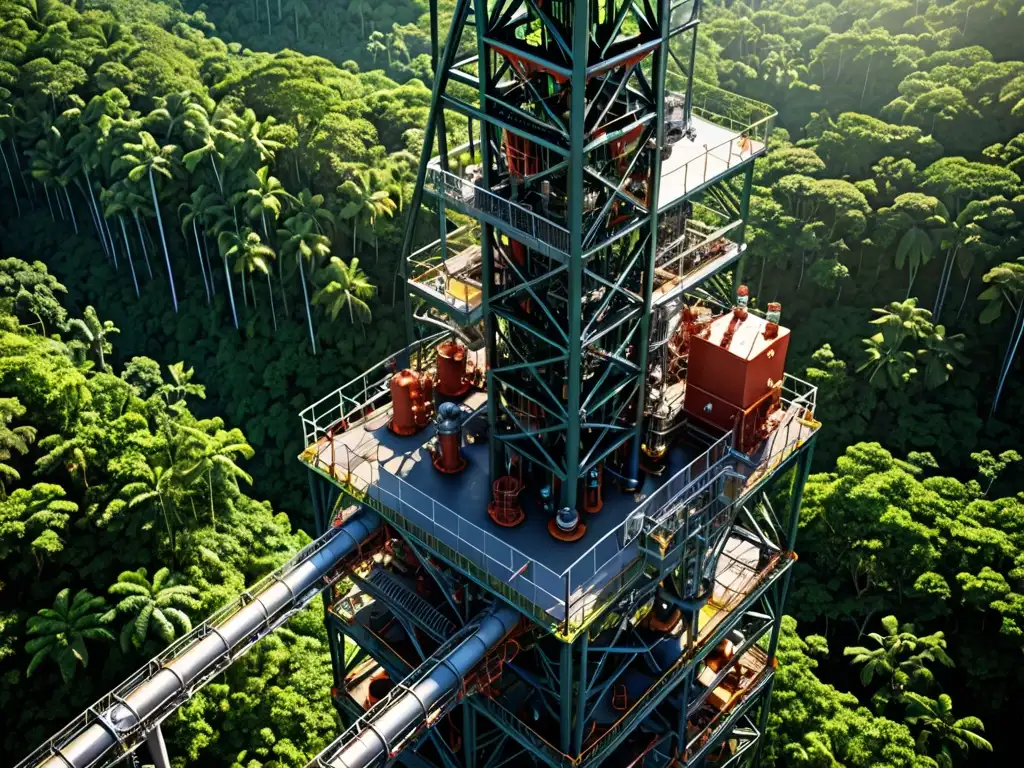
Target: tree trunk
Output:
[
  {"x": 10, "y": 176},
  {"x": 280, "y": 267},
  {"x": 24, "y": 181},
  {"x": 231, "y": 292},
  {"x": 209, "y": 264},
  {"x": 296, "y": 10},
  {"x": 49, "y": 204},
  {"x": 163, "y": 239},
  {"x": 199, "y": 253},
  {"x": 60, "y": 206},
  {"x": 963, "y": 301},
  {"x": 947, "y": 274},
  {"x": 74, "y": 220},
  {"x": 278, "y": 10},
  {"x": 98, "y": 217},
  {"x": 128, "y": 249},
  {"x": 94, "y": 217},
  {"x": 1011, "y": 352},
  {"x": 267, "y": 3},
  {"x": 245, "y": 298},
  {"x": 110, "y": 238},
  {"x": 305, "y": 296},
  {"x": 270, "y": 289},
  {"x": 142, "y": 241}
]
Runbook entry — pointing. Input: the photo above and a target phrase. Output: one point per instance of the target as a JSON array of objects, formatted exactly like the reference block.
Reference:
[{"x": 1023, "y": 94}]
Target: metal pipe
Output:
[
  {"x": 146, "y": 704},
  {"x": 386, "y": 733}
]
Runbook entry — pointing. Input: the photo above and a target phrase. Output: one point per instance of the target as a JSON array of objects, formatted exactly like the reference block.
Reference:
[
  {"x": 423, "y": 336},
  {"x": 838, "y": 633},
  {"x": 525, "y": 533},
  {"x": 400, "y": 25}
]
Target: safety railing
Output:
[
  {"x": 748, "y": 122},
  {"x": 434, "y": 267},
  {"x": 569, "y": 598},
  {"x": 720, "y": 725},
  {"x": 698, "y": 246},
  {"x": 131, "y": 738},
  {"x": 355, "y": 400},
  {"x": 517, "y": 217},
  {"x": 795, "y": 425}
]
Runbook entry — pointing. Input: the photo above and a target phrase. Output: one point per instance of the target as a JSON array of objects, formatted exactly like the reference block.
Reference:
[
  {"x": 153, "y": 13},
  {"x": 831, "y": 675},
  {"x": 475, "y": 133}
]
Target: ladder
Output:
[{"x": 388, "y": 588}]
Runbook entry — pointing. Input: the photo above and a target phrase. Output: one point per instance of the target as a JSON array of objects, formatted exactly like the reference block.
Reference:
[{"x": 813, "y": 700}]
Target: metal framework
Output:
[{"x": 584, "y": 187}]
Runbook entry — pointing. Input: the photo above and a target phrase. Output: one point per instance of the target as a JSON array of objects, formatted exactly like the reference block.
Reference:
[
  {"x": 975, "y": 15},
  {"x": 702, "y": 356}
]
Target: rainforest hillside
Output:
[{"x": 201, "y": 211}]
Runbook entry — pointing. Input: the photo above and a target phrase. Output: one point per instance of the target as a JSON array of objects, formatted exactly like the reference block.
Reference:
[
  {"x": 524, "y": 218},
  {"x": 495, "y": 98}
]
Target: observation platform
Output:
[
  {"x": 728, "y": 131},
  {"x": 560, "y": 584}
]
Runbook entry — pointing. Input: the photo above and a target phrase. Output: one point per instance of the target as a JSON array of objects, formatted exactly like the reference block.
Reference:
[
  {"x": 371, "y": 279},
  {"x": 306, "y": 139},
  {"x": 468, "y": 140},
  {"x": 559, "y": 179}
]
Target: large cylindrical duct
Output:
[
  {"x": 372, "y": 747},
  {"x": 146, "y": 702}
]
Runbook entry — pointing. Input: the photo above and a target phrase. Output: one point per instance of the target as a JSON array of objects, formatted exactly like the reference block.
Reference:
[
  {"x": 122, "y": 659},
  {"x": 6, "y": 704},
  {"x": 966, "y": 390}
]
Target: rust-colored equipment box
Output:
[{"x": 735, "y": 365}]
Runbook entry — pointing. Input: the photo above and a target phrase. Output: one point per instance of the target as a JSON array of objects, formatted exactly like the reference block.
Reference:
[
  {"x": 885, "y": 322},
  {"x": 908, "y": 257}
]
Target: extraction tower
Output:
[
  {"x": 588, "y": 421},
  {"x": 548, "y": 523}
]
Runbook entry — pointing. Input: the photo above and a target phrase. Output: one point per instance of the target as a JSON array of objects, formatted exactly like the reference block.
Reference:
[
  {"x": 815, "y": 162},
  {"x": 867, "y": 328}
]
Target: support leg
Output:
[{"x": 158, "y": 748}]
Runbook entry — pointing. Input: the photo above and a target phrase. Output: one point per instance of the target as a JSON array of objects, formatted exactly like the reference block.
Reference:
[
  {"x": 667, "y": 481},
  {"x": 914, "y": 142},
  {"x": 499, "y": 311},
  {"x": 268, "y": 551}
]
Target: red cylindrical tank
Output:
[
  {"x": 426, "y": 400},
  {"x": 405, "y": 401},
  {"x": 451, "y": 369}
]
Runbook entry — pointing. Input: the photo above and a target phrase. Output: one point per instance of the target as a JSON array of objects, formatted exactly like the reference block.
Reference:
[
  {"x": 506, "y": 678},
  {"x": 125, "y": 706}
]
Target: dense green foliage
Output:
[
  {"x": 95, "y": 457},
  {"x": 238, "y": 206}
]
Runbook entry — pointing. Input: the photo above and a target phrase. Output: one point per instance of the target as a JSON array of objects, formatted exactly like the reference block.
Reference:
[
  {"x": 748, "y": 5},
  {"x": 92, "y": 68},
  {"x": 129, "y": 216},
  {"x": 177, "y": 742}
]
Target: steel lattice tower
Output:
[{"x": 580, "y": 202}]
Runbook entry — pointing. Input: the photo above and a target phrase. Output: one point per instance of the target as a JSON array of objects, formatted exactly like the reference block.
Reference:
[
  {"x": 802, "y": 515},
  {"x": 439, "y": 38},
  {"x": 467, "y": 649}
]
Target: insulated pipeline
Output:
[
  {"x": 373, "y": 745},
  {"x": 147, "y": 699}
]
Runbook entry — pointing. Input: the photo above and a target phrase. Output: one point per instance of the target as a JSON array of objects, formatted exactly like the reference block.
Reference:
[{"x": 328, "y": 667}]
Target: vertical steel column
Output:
[
  {"x": 468, "y": 735},
  {"x": 741, "y": 234},
  {"x": 688, "y": 102},
  {"x": 565, "y": 697},
  {"x": 158, "y": 748},
  {"x": 684, "y": 710},
  {"x": 659, "y": 64},
  {"x": 495, "y": 449},
  {"x": 581, "y": 696},
  {"x": 792, "y": 523},
  {"x": 574, "y": 306},
  {"x": 440, "y": 78}
]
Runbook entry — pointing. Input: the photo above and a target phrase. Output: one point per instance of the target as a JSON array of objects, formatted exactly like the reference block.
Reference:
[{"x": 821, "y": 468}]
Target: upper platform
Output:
[
  {"x": 728, "y": 131},
  {"x": 560, "y": 584}
]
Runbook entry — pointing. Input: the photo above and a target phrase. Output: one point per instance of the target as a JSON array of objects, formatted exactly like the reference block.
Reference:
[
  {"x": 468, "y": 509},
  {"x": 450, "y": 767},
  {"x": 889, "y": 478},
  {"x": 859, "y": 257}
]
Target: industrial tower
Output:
[
  {"x": 559, "y": 523},
  {"x": 588, "y": 422}
]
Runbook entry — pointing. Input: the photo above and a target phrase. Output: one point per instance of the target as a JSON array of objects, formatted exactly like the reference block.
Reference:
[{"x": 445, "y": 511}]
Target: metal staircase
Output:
[{"x": 389, "y": 589}]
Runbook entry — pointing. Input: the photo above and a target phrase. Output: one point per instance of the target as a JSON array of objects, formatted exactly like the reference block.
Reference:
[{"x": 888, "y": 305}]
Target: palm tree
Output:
[
  {"x": 267, "y": 196},
  {"x": 7, "y": 132},
  {"x": 61, "y": 632},
  {"x": 46, "y": 161},
  {"x": 148, "y": 158},
  {"x": 12, "y": 439},
  {"x": 182, "y": 111},
  {"x": 935, "y": 716},
  {"x": 366, "y": 201},
  {"x": 157, "y": 605},
  {"x": 249, "y": 255},
  {"x": 297, "y": 8},
  {"x": 304, "y": 244},
  {"x": 890, "y": 365},
  {"x": 899, "y": 658},
  {"x": 194, "y": 213},
  {"x": 120, "y": 199},
  {"x": 345, "y": 286},
  {"x": 1006, "y": 286},
  {"x": 93, "y": 336},
  {"x": 219, "y": 453},
  {"x": 151, "y": 487}
]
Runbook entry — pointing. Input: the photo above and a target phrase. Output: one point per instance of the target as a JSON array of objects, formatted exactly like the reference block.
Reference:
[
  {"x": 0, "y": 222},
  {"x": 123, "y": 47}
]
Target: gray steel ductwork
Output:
[
  {"x": 380, "y": 735},
  {"x": 146, "y": 704}
]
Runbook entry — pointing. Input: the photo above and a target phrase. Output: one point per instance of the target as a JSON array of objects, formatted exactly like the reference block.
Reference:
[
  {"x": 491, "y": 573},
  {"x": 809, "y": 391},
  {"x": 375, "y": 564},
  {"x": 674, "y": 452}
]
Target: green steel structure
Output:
[{"x": 579, "y": 209}]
